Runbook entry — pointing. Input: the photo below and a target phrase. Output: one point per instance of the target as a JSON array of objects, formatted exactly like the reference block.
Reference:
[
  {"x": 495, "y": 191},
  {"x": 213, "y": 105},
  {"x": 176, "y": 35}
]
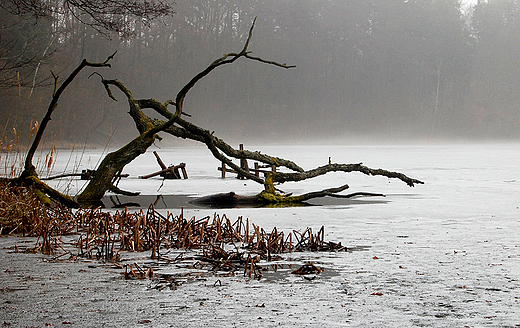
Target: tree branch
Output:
[
  {"x": 284, "y": 177},
  {"x": 323, "y": 193},
  {"x": 284, "y": 65},
  {"x": 356, "y": 194},
  {"x": 226, "y": 59},
  {"x": 54, "y": 103}
]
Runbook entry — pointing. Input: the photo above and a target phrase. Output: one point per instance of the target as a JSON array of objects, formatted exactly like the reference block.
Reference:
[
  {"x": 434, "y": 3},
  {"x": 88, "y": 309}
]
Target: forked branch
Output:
[
  {"x": 347, "y": 168},
  {"x": 52, "y": 106},
  {"x": 29, "y": 176}
]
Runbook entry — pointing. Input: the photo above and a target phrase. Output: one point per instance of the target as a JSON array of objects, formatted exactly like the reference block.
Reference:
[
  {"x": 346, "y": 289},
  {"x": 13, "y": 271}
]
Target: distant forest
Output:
[{"x": 404, "y": 69}]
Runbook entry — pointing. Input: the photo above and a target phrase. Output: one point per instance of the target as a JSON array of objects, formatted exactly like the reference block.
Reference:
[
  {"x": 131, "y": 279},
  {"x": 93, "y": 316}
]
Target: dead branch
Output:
[
  {"x": 319, "y": 194},
  {"x": 357, "y": 194},
  {"x": 29, "y": 175},
  {"x": 226, "y": 59},
  {"x": 54, "y": 103},
  {"x": 284, "y": 177}
]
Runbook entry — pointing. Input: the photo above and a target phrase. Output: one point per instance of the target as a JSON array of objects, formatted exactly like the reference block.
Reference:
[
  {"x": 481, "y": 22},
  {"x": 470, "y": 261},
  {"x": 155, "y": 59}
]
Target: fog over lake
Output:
[
  {"x": 394, "y": 70},
  {"x": 427, "y": 88}
]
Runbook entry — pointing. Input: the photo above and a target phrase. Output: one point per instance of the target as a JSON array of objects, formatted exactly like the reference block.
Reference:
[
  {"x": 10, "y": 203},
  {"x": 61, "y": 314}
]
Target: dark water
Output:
[
  {"x": 144, "y": 201},
  {"x": 187, "y": 201}
]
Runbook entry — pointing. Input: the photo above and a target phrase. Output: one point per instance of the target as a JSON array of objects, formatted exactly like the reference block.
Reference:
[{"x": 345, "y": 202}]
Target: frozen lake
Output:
[{"x": 442, "y": 254}]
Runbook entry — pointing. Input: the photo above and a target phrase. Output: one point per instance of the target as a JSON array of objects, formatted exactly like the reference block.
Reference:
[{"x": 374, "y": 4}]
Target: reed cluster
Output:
[
  {"x": 223, "y": 245},
  {"x": 20, "y": 211},
  {"x": 13, "y": 152}
]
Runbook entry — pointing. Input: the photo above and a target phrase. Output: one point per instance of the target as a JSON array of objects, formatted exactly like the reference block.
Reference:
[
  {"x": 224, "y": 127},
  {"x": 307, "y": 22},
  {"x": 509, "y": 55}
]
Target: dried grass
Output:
[
  {"x": 224, "y": 245},
  {"x": 20, "y": 211}
]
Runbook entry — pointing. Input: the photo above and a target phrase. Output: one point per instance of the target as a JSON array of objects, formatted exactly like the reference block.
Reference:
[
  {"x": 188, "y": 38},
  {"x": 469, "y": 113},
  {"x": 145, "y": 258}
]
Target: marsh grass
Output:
[
  {"x": 13, "y": 153},
  {"x": 20, "y": 210},
  {"x": 224, "y": 245}
]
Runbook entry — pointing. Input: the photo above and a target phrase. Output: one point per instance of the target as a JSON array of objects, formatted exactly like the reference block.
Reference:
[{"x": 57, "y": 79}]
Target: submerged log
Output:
[{"x": 231, "y": 199}]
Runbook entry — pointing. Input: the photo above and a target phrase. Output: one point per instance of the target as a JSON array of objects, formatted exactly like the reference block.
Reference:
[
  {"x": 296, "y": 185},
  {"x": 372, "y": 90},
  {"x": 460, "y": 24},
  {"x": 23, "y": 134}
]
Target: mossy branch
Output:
[
  {"x": 54, "y": 103},
  {"x": 29, "y": 176},
  {"x": 347, "y": 168}
]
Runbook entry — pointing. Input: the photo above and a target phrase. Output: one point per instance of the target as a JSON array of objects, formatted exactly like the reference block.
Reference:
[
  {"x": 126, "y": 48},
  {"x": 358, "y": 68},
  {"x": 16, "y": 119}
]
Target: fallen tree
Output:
[
  {"x": 179, "y": 127},
  {"x": 175, "y": 125},
  {"x": 230, "y": 199}
]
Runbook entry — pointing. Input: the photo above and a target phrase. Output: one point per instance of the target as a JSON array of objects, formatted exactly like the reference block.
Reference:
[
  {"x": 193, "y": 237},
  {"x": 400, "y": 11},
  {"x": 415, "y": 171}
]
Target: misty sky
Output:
[{"x": 364, "y": 69}]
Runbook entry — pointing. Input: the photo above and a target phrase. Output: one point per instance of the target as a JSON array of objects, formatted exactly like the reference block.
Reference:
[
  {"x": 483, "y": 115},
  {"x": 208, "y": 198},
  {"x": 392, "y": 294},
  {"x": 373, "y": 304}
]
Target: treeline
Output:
[{"x": 403, "y": 68}]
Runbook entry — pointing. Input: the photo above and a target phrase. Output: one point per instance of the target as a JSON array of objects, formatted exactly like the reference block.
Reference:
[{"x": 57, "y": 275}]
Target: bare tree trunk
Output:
[
  {"x": 222, "y": 151},
  {"x": 104, "y": 176},
  {"x": 29, "y": 177}
]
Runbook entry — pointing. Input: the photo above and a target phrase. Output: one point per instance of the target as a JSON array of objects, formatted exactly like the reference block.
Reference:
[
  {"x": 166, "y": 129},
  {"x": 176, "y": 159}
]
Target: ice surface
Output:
[{"x": 442, "y": 254}]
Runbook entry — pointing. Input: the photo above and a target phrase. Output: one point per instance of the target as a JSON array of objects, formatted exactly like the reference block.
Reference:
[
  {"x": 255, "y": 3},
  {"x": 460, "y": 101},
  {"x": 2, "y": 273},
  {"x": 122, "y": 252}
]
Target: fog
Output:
[{"x": 365, "y": 71}]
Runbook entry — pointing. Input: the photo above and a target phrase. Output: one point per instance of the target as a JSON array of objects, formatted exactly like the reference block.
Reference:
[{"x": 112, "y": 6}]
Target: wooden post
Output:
[
  {"x": 243, "y": 163},
  {"x": 223, "y": 170},
  {"x": 183, "y": 169},
  {"x": 175, "y": 173},
  {"x": 159, "y": 160},
  {"x": 257, "y": 169}
]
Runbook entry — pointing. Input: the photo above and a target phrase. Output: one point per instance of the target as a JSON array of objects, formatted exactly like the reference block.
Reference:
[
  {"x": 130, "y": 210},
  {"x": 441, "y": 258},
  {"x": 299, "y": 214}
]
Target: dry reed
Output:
[
  {"x": 20, "y": 211},
  {"x": 224, "y": 245}
]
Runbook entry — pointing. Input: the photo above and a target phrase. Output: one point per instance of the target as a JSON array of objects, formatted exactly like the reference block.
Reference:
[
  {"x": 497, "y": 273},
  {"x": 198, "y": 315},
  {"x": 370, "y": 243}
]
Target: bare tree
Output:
[
  {"x": 103, "y": 15},
  {"x": 178, "y": 127},
  {"x": 29, "y": 176},
  {"x": 174, "y": 124}
]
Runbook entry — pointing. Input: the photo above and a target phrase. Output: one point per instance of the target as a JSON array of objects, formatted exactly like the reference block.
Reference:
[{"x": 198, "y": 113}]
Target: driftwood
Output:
[
  {"x": 171, "y": 172},
  {"x": 230, "y": 199}
]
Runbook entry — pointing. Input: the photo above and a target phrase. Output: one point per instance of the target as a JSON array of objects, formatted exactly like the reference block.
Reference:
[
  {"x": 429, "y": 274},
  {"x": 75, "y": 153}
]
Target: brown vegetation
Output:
[
  {"x": 223, "y": 245},
  {"x": 20, "y": 210}
]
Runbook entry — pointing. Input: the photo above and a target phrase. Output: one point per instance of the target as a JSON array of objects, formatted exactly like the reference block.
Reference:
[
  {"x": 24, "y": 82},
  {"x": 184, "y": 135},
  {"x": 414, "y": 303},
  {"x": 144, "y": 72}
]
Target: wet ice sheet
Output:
[{"x": 444, "y": 254}]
